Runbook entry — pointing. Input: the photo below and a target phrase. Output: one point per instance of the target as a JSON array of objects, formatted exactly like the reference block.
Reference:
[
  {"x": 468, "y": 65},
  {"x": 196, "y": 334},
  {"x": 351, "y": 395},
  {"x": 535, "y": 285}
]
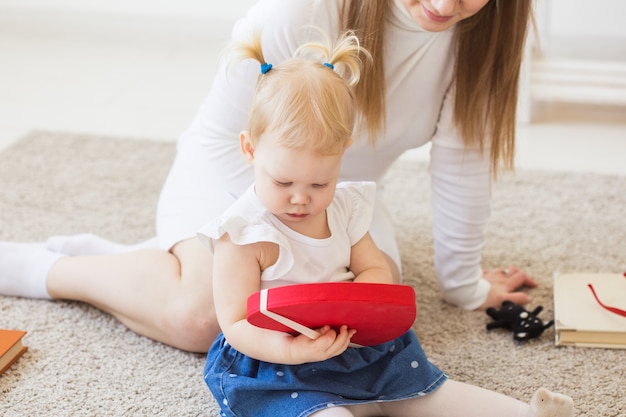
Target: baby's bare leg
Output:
[
  {"x": 333, "y": 412},
  {"x": 455, "y": 398}
]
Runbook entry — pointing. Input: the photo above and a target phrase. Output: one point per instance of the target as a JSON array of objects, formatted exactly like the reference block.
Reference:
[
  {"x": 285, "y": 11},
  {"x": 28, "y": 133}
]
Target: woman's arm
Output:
[
  {"x": 237, "y": 275},
  {"x": 461, "y": 201}
]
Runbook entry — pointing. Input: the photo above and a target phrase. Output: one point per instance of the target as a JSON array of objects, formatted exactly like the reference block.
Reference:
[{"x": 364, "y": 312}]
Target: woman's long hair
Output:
[{"x": 490, "y": 47}]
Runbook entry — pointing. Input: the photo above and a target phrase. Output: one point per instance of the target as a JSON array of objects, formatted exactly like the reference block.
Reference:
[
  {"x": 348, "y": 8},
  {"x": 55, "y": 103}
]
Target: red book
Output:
[
  {"x": 11, "y": 347},
  {"x": 379, "y": 312}
]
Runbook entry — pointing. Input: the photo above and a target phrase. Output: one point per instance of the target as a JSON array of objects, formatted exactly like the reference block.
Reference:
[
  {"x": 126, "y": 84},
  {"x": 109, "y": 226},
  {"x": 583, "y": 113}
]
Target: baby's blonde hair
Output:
[{"x": 307, "y": 101}]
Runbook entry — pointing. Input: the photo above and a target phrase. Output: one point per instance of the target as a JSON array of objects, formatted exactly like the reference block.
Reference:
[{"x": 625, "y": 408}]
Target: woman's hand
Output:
[
  {"x": 504, "y": 285},
  {"x": 329, "y": 344}
]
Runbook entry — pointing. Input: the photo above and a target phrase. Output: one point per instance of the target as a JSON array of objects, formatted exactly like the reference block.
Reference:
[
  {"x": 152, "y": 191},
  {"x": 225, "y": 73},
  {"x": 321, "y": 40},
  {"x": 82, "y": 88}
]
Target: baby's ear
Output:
[{"x": 246, "y": 146}]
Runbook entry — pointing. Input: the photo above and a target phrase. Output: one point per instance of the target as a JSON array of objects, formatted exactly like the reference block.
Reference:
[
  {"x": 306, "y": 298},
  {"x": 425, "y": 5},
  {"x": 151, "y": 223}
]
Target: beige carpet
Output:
[{"x": 82, "y": 362}]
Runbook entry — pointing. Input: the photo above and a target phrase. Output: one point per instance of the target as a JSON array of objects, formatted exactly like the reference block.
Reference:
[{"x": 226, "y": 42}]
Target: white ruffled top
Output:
[{"x": 301, "y": 259}]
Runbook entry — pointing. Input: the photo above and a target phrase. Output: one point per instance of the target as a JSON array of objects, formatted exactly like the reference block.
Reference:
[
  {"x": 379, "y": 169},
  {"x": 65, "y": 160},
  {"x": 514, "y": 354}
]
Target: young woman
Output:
[
  {"x": 298, "y": 224},
  {"x": 444, "y": 72}
]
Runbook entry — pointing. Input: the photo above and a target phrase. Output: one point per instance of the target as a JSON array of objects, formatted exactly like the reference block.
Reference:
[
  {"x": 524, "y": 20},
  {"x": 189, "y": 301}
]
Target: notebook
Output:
[
  {"x": 590, "y": 309},
  {"x": 11, "y": 347}
]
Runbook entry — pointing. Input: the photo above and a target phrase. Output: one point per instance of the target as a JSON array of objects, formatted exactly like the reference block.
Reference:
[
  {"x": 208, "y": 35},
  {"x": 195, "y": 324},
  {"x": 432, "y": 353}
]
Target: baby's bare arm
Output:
[
  {"x": 368, "y": 263},
  {"x": 237, "y": 275}
]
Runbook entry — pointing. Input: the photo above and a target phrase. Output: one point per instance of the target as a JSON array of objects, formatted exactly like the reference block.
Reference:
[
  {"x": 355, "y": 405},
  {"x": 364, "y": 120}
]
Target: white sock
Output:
[
  {"x": 24, "y": 269},
  {"x": 89, "y": 244},
  {"x": 549, "y": 404}
]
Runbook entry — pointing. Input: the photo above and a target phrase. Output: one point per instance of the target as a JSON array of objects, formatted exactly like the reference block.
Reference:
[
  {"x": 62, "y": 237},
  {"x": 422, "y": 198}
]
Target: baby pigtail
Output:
[
  {"x": 343, "y": 56},
  {"x": 251, "y": 49}
]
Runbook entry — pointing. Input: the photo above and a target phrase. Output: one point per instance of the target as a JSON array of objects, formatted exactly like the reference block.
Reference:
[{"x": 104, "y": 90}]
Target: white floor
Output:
[{"x": 144, "y": 77}]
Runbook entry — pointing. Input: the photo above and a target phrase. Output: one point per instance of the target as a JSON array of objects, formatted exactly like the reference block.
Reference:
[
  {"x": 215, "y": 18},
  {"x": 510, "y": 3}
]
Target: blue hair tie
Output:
[
  {"x": 265, "y": 68},
  {"x": 329, "y": 65}
]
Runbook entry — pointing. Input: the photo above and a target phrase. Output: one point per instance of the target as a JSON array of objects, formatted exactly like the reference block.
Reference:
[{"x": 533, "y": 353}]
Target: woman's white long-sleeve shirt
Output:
[{"x": 419, "y": 69}]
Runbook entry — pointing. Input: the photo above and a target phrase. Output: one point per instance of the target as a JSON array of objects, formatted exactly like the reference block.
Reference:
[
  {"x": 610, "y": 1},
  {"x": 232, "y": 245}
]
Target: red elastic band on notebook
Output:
[{"x": 609, "y": 308}]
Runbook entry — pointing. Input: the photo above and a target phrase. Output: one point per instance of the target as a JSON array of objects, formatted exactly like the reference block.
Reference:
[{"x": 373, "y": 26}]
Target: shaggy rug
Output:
[{"x": 83, "y": 362}]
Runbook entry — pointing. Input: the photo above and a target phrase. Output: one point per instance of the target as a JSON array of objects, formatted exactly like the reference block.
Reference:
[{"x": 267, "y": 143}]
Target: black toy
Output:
[{"x": 524, "y": 324}]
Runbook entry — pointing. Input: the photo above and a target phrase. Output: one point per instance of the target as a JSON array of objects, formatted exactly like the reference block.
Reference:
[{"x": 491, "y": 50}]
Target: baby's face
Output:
[{"x": 295, "y": 185}]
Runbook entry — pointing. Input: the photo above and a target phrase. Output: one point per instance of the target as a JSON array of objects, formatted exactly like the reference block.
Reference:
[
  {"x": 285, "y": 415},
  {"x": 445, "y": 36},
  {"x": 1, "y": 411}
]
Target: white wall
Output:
[
  {"x": 603, "y": 18},
  {"x": 195, "y": 9},
  {"x": 581, "y": 56},
  {"x": 583, "y": 30},
  {"x": 598, "y": 18}
]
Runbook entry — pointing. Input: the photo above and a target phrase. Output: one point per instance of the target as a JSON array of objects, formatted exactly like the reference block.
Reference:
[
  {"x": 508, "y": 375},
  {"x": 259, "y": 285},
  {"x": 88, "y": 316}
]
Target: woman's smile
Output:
[{"x": 435, "y": 17}]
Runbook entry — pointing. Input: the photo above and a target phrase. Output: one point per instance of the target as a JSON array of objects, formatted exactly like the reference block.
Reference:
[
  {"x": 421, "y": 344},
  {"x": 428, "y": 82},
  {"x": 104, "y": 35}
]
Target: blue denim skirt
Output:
[{"x": 391, "y": 371}]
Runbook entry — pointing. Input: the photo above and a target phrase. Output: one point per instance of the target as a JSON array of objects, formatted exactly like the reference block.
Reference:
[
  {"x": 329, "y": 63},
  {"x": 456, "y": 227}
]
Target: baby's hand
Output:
[{"x": 329, "y": 344}]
